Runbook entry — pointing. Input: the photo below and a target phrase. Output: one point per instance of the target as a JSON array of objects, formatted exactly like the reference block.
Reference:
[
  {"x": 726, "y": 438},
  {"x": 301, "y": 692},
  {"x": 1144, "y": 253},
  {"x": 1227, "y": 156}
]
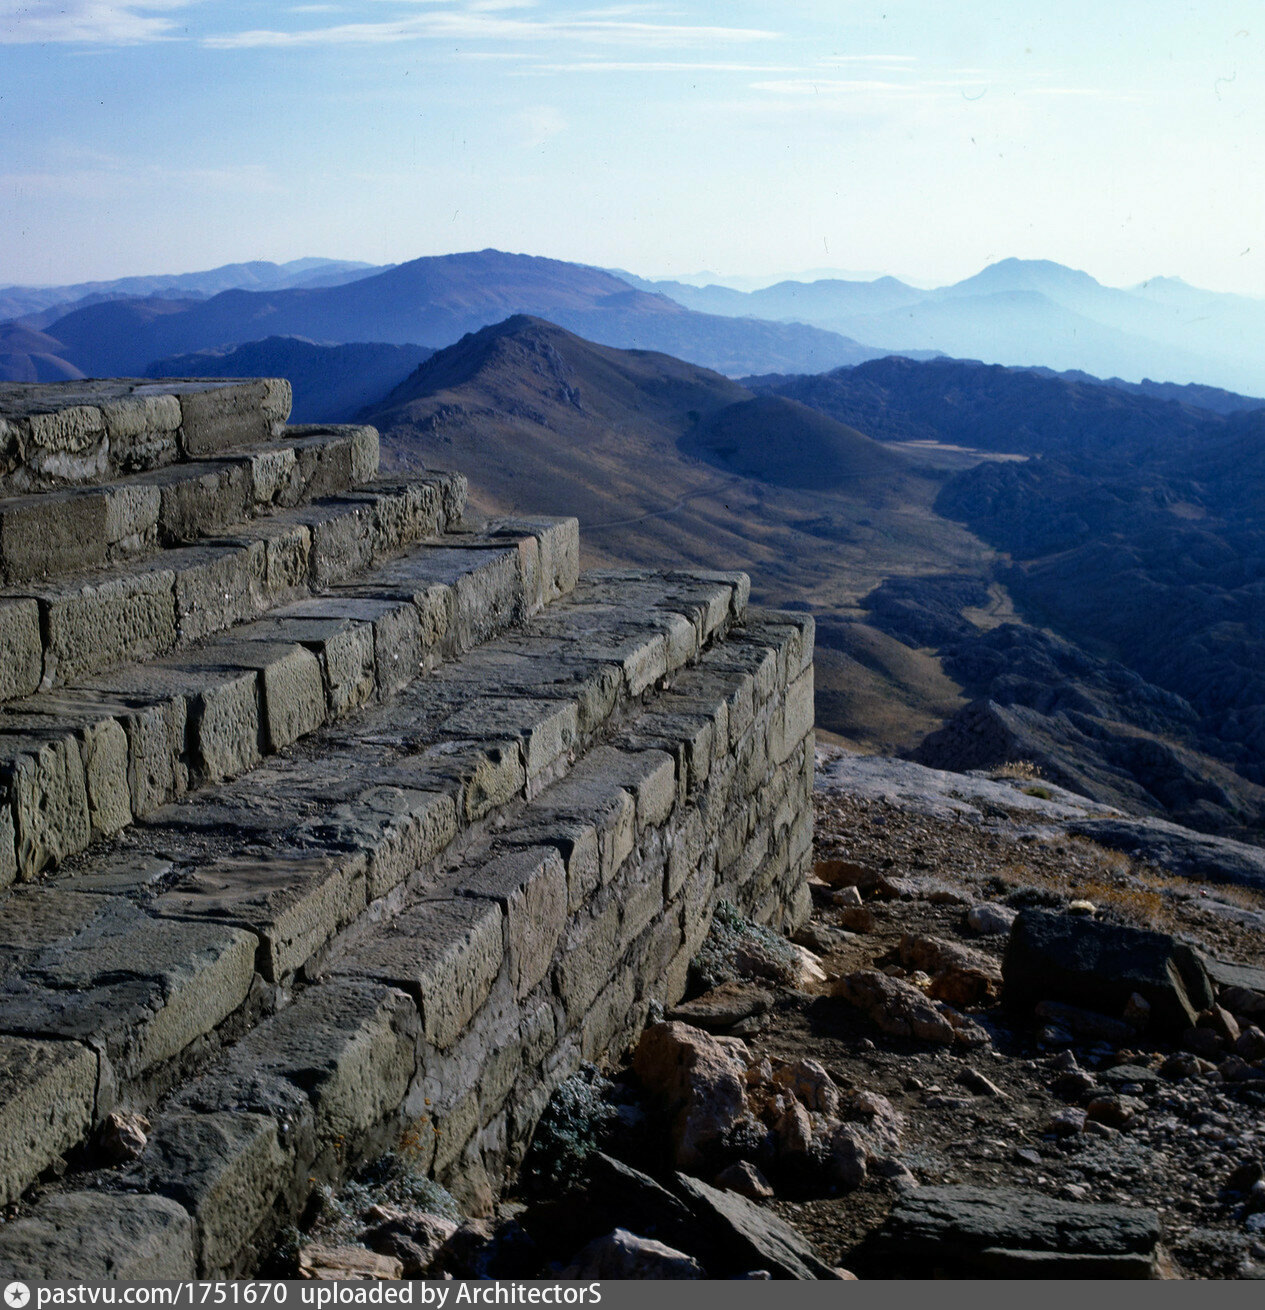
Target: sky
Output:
[{"x": 751, "y": 138}]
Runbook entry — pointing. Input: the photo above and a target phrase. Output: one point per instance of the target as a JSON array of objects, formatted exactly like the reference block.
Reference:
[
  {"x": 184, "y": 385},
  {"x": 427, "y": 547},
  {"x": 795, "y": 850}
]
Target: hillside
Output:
[
  {"x": 435, "y": 301},
  {"x": 552, "y": 423},
  {"x": 1134, "y": 527},
  {"x": 331, "y": 384}
]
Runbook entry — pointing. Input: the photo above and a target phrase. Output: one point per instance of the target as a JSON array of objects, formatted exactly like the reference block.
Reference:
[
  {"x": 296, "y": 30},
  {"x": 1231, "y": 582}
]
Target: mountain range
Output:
[
  {"x": 1026, "y": 312},
  {"x": 432, "y": 302}
]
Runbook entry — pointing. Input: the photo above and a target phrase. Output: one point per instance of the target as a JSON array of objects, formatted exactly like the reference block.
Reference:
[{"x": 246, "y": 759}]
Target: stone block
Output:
[
  {"x": 21, "y": 651},
  {"x": 293, "y": 903},
  {"x": 556, "y": 555},
  {"x": 342, "y": 540},
  {"x": 99, "y": 1237},
  {"x": 106, "y": 762},
  {"x": 445, "y": 952},
  {"x": 224, "y": 1169},
  {"x": 399, "y": 830},
  {"x": 546, "y": 729},
  {"x": 530, "y": 886},
  {"x": 488, "y": 774},
  {"x": 217, "y": 586},
  {"x": 577, "y": 844},
  {"x": 47, "y": 1105},
  {"x": 143, "y": 991},
  {"x": 52, "y": 534},
  {"x": 398, "y": 647},
  {"x": 225, "y": 726},
  {"x": 197, "y": 500},
  {"x": 274, "y": 476},
  {"x": 349, "y": 1048},
  {"x": 403, "y": 512},
  {"x": 795, "y": 721},
  {"x": 131, "y": 514},
  {"x": 589, "y": 952},
  {"x": 648, "y": 776},
  {"x": 90, "y": 626},
  {"x": 217, "y": 418},
  {"x": 50, "y": 804}
]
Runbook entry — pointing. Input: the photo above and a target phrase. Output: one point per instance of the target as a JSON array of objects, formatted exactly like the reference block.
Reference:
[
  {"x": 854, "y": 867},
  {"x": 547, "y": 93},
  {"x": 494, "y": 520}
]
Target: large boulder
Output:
[
  {"x": 1072, "y": 958},
  {"x": 1012, "y": 1233},
  {"x": 702, "y": 1083},
  {"x": 896, "y": 1007}
]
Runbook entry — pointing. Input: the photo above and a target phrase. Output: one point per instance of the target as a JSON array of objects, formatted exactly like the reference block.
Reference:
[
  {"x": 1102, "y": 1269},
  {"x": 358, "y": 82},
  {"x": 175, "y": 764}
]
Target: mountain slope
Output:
[
  {"x": 331, "y": 384},
  {"x": 786, "y": 444},
  {"x": 436, "y": 300}
]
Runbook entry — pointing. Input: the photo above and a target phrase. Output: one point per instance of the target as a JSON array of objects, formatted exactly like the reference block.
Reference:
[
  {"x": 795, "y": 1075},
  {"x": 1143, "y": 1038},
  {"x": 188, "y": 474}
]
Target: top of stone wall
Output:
[{"x": 72, "y": 433}]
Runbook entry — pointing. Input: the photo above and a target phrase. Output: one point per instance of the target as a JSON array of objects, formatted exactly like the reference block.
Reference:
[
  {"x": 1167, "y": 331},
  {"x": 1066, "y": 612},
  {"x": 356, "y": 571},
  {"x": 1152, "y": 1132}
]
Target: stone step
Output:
[
  {"x": 246, "y": 890},
  {"x": 452, "y": 1013},
  {"x": 63, "y": 630},
  {"x": 81, "y": 763},
  {"x": 75, "y": 433},
  {"x": 53, "y": 534}
]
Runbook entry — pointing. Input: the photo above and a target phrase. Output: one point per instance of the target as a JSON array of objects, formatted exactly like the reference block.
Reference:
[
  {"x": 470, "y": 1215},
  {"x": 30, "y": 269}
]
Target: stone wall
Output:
[{"x": 480, "y": 825}]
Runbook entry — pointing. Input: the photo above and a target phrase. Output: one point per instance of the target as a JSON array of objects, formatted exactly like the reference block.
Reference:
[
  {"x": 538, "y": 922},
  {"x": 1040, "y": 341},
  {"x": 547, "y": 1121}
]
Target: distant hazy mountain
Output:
[
  {"x": 259, "y": 275},
  {"x": 27, "y": 356},
  {"x": 436, "y": 300},
  {"x": 1033, "y": 312},
  {"x": 331, "y": 384}
]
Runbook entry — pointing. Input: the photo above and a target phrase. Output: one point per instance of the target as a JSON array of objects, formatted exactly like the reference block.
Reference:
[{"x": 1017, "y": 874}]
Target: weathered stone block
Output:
[
  {"x": 217, "y": 586},
  {"x": 349, "y": 1047},
  {"x": 400, "y": 830},
  {"x": 218, "y": 417},
  {"x": 51, "y": 534},
  {"x": 398, "y": 647},
  {"x": 489, "y": 774},
  {"x": 47, "y": 1104},
  {"x": 796, "y": 719},
  {"x": 21, "y": 652},
  {"x": 274, "y": 476},
  {"x": 50, "y": 804},
  {"x": 225, "y": 727},
  {"x": 530, "y": 885},
  {"x": 294, "y": 904},
  {"x": 98, "y": 1237},
  {"x": 104, "y": 748},
  {"x": 131, "y": 514},
  {"x": 224, "y": 1169},
  {"x": 547, "y": 729},
  {"x": 142, "y": 990},
  {"x": 590, "y": 950},
  {"x": 90, "y": 626}
]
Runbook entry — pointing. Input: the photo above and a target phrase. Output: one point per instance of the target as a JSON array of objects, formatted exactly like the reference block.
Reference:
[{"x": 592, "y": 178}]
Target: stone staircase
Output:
[{"x": 330, "y": 821}]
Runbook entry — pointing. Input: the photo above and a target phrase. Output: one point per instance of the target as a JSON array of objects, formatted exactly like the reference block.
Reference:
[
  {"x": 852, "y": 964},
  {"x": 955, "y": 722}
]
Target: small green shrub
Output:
[
  {"x": 737, "y": 948},
  {"x": 580, "y": 1119}
]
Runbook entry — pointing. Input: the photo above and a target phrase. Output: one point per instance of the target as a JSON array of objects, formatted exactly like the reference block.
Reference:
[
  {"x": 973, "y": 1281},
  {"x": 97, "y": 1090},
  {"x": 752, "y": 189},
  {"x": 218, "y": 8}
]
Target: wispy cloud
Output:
[
  {"x": 93, "y": 22},
  {"x": 656, "y": 66},
  {"x": 487, "y": 21}
]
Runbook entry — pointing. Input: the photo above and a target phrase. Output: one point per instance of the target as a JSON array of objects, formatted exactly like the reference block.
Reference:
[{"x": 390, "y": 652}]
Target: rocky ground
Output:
[{"x": 920, "y": 1085}]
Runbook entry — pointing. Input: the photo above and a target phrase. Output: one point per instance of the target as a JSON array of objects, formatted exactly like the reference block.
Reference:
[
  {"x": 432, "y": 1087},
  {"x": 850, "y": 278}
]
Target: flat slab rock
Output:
[
  {"x": 1008, "y": 1232},
  {"x": 749, "y": 1237}
]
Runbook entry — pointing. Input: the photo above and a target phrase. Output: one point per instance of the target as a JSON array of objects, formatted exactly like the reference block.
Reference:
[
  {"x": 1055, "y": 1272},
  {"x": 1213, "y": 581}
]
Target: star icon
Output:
[{"x": 16, "y": 1295}]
